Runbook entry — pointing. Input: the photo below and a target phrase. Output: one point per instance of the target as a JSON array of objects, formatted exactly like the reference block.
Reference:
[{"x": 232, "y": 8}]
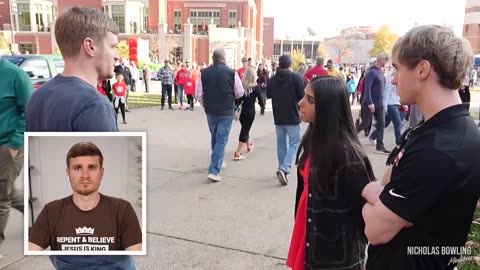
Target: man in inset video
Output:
[{"x": 87, "y": 220}]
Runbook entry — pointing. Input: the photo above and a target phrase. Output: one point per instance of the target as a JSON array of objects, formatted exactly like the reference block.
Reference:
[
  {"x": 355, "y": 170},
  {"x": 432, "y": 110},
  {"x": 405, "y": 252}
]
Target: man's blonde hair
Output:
[
  {"x": 78, "y": 23},
  {"x": 449, "y": 55}
]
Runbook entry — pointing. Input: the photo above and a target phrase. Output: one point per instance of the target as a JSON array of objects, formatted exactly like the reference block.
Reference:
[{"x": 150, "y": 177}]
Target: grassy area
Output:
[
  {"x": 141, "y": 100},
  {"x": 473, "y": 236},
  {"x": 474, "y": 115}
]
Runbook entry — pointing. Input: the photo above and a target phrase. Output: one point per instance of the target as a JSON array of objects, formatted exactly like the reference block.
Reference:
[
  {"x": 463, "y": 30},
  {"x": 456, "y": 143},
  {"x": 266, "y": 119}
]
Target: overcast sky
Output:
[{"x": 326, "y": 17}]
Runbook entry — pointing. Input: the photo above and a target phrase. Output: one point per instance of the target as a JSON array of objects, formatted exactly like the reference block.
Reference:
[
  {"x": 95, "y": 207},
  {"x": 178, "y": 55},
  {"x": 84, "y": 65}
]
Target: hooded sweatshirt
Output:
[{"x": 285, "y": 89}]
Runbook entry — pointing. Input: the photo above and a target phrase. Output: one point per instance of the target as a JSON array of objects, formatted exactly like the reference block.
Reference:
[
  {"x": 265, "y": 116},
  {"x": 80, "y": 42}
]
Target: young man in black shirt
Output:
[{"x": 421, "y": 218}]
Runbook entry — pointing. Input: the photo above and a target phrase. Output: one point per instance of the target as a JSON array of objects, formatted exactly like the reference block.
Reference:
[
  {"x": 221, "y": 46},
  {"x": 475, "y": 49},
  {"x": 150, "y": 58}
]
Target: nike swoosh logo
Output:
[{"x": 395, "y": 194}]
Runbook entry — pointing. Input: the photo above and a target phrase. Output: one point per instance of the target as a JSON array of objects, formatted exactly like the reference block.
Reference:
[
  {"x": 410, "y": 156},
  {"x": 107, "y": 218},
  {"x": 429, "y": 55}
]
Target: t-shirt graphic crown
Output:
[{"x": 85, "y": 230}]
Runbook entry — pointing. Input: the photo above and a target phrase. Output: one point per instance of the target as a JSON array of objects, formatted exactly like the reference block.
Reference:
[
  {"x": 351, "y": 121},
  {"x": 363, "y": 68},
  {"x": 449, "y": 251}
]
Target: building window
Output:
[
  {"x": 177, "y": 53},
  {"x": 232, "y": 19},
  {"x": 39, "y": 18},
  {"x": 287, "y": 48},
  {"x": 146, "y": 20},
  {"x": 201, "y": 20},
  {"x": 276, "y": 49},
  {"x": 118, "y": 16},
  {"x": 105, "y": 9},
  {"x": 133, "y": 25},
  {"x": 48, "y": 17},
  {"x": 24, "y": 17},
  {"x": 25, "y": 47},
  {"x": 177, "y": 21},
  {"x": 307, "y": 48}
]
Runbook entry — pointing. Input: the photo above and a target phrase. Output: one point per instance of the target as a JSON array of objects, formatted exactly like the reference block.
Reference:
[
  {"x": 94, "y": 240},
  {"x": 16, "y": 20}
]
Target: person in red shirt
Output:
[
  {"x": 241, "y": 70},
  {"x": 179, "y": 79},
  {"x": 195, "y": 71},
  {"x": 189, "y": 86},
  {"x": 100, "y": 88},
  {"x": 318, "y": 70},
  {"x": 119, "y": 89}
]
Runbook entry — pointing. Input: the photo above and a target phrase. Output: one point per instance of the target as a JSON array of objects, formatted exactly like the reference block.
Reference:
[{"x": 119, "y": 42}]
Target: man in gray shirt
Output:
[{"x": 70, "y": 101}]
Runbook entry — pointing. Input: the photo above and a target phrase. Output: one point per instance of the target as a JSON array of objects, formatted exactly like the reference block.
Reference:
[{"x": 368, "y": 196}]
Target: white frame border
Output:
[{"x": 85, "y": 134}]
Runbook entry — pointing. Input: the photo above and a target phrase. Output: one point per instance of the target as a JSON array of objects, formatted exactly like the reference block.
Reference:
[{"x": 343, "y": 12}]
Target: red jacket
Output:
[
  {"x": 315, "y": 72},
  {"x": 240, "y": 72},
  {"x": 181, "y": 76},
  {"x": 119, "y": 89},
  {"x": 189, "y": 86},
  {"x": 100, "y": 88}
]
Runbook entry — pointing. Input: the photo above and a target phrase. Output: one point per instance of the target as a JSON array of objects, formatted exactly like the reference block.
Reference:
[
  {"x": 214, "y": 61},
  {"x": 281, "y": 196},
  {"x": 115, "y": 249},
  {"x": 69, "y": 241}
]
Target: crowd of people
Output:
[{"x": 345, "y": 216}]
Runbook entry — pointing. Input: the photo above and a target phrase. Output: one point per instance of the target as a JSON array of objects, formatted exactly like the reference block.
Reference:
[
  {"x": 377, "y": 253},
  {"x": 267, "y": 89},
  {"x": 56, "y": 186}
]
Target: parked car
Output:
[
  {"x": 39, "y": 67},
  {"x": 154, "y": 76}
]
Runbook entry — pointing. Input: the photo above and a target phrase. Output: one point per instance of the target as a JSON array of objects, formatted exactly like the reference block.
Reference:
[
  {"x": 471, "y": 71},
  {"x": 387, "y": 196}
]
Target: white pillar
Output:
[
  {"x": 187, "y": 41},
  {"x": 281, "y": 47},
  {"x": 211, "y": 33},
  {"x": 240, "y": 45},
  {"x": 162, "y": 38},
  {"x": 127, "y": 19}
]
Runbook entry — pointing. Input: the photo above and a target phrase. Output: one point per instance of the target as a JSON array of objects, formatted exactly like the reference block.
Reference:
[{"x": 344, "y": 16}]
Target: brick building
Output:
[
  {"x": 185, "y": 29},
  {"x": 471, "y": 26}
]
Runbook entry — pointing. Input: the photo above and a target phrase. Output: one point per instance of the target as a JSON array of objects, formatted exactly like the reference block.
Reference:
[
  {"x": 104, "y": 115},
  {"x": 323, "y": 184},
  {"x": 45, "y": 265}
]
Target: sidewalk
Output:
[{"x": 243, "y": 222}]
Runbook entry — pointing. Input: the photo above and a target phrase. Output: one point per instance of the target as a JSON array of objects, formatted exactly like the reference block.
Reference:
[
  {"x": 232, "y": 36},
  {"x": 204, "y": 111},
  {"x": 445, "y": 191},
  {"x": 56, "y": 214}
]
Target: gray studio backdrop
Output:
[{"x": 122, "y": 160}]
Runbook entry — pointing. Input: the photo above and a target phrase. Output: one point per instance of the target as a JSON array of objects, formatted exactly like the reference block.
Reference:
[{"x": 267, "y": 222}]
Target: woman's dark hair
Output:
[{"x": 331, "y": 141}]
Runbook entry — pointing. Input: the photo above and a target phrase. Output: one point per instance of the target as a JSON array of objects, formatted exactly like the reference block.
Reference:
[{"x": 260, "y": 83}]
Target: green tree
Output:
[
  {"x": 122, "y": 49},
  {"x": 322, "y": 50},
  {"x": 57, "y": 51},
  {"x": 4, "y": 45},
  {"x": 297, "y": 57},
  {"x": 383, "y": 41}
]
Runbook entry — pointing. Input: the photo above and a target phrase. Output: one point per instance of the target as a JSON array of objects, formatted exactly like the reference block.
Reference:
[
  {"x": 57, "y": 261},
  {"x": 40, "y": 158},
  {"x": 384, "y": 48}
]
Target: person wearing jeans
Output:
[
  {"x": 217, "y": 89},
  {"x": 372, "y": 101},
  {"x": 391, "y": 101},
  {"x": 219, "y": 126},
  {"x": 286, "y": 89},
  {"x": 166, "y": 75},
  {"x": 180, "y": 81},
  {"x": 288, "y": 139}
]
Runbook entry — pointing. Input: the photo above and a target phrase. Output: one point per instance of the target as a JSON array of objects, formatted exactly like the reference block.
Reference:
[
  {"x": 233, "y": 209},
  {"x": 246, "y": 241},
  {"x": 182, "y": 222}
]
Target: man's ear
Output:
[
  {"x": 423, "y": 69},
  {"x": 89, "y": 46}
]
